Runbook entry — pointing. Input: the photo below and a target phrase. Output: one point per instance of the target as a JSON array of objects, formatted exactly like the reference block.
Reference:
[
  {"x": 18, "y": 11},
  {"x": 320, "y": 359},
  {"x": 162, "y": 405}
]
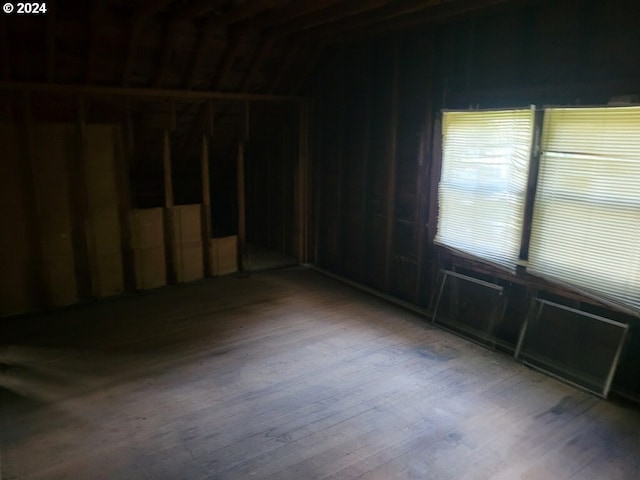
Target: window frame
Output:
[{"x": 522, "y": 274}]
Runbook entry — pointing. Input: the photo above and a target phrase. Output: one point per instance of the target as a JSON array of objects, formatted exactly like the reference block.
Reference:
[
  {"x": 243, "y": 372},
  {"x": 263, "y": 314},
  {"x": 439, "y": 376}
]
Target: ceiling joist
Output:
[
  {"x": 150, "y": 93},
  {"x": 177, "y": 40}
]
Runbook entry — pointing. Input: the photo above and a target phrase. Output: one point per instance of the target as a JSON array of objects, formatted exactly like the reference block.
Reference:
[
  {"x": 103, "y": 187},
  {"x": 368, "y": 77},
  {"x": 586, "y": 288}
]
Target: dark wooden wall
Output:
[{"x": 375, "y": 133}]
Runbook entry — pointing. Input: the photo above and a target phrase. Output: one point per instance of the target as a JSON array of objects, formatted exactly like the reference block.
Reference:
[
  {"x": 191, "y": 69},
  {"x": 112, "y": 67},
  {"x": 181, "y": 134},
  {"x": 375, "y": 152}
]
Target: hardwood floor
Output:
[{"x": 287, "y": 375}]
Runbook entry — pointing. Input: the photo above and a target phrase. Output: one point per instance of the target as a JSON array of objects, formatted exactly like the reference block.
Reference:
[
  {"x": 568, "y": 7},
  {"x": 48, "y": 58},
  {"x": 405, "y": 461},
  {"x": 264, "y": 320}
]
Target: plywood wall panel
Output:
[
  {"x": 147, "y": 238},
  {"x": 16, "y": 283},
  {"x": 188, "y": 240},
  {"x": 224, "y": 255},
  {"x": 54, "y": 145},
  {"x": 103, "y": 208}
]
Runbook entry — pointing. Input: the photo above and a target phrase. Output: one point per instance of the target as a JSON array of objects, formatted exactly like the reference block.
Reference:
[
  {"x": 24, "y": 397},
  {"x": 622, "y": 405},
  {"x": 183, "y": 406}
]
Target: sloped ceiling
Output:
[{"x": 258, "y": 46}]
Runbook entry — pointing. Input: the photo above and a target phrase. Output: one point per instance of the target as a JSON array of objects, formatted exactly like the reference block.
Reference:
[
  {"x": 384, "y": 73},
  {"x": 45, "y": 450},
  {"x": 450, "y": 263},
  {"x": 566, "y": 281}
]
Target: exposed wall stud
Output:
[
  {"x": 169, "y": 218},
  {"x": 392, "y": 166}
]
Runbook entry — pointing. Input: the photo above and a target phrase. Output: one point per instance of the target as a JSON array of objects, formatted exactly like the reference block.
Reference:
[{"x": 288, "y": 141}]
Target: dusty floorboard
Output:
[{"x": 287, "y": 375}]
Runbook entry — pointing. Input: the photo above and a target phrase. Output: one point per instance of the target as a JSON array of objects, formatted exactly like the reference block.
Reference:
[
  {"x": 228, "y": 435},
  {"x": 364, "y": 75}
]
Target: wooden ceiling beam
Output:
[
  {"x": 224, "y": 67},
  {"x": 156, "y": 93}
]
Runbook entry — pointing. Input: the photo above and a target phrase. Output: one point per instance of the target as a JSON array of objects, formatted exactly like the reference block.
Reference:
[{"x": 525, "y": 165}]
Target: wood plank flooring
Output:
[{"x": 286, "y": 375}]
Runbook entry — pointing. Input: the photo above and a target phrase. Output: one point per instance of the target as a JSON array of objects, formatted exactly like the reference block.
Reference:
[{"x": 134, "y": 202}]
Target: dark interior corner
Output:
[{"x": 151, "y": 150}]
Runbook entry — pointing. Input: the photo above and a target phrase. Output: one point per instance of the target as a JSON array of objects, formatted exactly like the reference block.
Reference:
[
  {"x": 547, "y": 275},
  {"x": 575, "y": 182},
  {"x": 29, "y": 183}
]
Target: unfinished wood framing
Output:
[
  {"x": 84, "y": 240},
  {"x": 33, "y": 177},
  {"x": 343, "y": 164},
  {"x": 425, "y": 163},
  {"x": 169, "y": 217},
  {"x": 142, "y": 93},
  {"x": 390, "y": 210},
  {"x": 302, "y": 186},
  {"x": 206, "y": 205},
  {"x": 124, "y": 156},
  {"x": 242, "y": 214}
]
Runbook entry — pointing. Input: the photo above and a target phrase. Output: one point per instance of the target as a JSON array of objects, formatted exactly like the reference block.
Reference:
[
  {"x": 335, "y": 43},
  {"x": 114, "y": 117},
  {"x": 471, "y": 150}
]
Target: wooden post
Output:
[
  {"x": 171, "y": 253},
  {"x": 420, "y": 220},
  {"x": 284, "y": 185},
  {"x": 425, "y": 161},
  {"x": 242, "y": 231},
  {"x": 391, "y": 173},
  {"x": 434, "y": 180},
  {"x": 124, "y": 156},
  {"x": 84, "y": 237},
  {"x": 366, "y": 148},
  {"x": 206, "y": 206},
  {"x": 301, "y": 184},
  {"x": 340, "y": 214}
]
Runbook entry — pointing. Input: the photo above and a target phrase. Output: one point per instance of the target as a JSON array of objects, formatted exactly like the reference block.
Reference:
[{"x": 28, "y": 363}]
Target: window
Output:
[
  {"x": 586, "y": 222},
  {"x": 585, "y": 231},
  {"x": 482, "y": 192}
]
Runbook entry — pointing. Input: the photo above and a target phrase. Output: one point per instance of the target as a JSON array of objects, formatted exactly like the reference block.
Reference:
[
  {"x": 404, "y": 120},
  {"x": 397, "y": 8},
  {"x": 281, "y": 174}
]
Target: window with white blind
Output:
[
  {"x": 586, "y": 222},
  {"x": 482, "y": 190}
]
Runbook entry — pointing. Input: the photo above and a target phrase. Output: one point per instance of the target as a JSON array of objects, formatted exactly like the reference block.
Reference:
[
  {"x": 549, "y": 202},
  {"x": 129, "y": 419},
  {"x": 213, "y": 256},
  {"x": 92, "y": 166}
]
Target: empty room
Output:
[{"x": 320, "y": 239}]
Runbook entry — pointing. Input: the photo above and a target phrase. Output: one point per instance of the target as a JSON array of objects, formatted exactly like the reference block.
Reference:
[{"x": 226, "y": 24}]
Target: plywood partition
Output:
[
  {"x": 169, "y": 223},
  {"x": 302, "y": 186},
  {"x": 17, "y": 289},
  {"x": 206, "y": 205},
  {"x": 147, "y": 239},
  {"x": 224, "y": 255},
  {"x": 242, "y": 227},
  {"x": 53, "y": 146},
  {"x": 103, "y": 208},
  {"x": 188, "y": 242}
]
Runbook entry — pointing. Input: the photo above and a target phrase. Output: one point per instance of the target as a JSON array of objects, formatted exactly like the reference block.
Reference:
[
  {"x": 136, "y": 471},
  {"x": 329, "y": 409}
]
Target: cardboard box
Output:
[
  {"x": 147, "y": 238},
  {"x": 224, "y": 255}
]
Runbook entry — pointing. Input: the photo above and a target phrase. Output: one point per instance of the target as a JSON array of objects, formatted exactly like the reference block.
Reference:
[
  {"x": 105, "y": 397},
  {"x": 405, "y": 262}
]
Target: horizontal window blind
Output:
[
  {"x": 482, "y": 190},
  {"x": 586, "y": 221}
]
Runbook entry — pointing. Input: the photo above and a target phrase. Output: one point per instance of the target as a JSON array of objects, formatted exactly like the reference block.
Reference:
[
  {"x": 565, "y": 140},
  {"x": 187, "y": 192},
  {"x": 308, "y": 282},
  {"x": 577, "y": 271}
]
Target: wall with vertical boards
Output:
[
  {"x": 17, "y": 286},
  {"x": 376, "y": 141},
  {"x": 44, "y": 260},
  {"x": 100, "y": 197}
]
